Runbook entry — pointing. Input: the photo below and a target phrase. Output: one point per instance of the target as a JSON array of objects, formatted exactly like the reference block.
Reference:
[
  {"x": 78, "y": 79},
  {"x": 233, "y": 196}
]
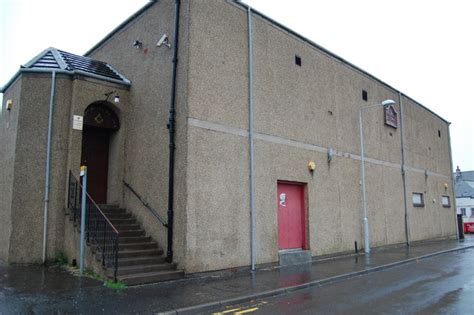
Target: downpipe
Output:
[
  {"x": 48, "y": 166},
  {"x": 253, "y": 241},
  {"x": 172, "y": 130},
  {"x": 405, "y": 202}
]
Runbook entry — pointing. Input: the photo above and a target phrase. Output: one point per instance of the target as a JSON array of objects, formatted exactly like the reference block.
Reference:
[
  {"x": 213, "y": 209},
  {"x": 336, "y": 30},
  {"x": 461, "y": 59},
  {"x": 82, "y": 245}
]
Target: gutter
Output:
[
  {"x": 48, "y": 167},
  {"x": 171, "y": 128}
]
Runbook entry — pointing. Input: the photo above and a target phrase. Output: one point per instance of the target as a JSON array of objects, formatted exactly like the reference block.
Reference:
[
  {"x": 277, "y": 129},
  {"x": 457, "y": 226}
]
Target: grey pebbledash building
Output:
[{"x": 214, "y": 138}]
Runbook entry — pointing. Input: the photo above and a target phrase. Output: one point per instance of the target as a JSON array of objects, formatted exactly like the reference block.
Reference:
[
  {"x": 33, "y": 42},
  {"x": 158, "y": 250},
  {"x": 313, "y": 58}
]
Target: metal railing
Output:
[
  {"x": 153, "y": 211},
  {"x": 100, "y": 232}
]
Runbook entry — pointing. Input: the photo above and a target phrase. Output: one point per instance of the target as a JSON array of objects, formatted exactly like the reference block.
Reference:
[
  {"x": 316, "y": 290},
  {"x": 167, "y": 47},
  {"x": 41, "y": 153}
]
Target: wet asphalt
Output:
[
  {"x": 438, "y": 285},
  {"x": 42, "y": 290}
]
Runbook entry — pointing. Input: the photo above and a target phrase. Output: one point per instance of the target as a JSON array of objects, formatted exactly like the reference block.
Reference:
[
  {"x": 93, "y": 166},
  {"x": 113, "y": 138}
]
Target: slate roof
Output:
[
  {"x": 464, "y": 186},
  {"x": 53, "y": 59}
]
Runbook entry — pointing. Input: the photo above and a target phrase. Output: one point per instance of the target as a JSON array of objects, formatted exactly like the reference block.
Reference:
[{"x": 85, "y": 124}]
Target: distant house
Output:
[
  {"x": 464, "y": 190},
  {"x": 245, "y": 152}
]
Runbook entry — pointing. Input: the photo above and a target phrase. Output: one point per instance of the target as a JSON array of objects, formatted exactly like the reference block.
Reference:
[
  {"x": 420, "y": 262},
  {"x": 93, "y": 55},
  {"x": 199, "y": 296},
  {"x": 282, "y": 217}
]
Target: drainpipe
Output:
[
  {"x": 47, "y": 171},
  {"x": 405, "y": 202},
  {"x": 251, "y": 145},
  {"x": 453, "y": 194},
  {"x": 171, "y": 128}
]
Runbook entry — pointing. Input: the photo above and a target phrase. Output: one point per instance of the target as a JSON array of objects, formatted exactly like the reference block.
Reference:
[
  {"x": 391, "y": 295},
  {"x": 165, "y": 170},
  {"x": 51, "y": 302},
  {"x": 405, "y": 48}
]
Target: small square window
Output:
[
  {"x": 418, "y": 200},
  {"x": 298, "y": 60},
  {"x": 445, "y": 201}
]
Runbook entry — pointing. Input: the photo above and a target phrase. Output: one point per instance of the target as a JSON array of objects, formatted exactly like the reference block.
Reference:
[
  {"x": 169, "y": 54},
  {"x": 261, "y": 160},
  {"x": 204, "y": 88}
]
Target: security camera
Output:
[{"x": 164, "y": 40}]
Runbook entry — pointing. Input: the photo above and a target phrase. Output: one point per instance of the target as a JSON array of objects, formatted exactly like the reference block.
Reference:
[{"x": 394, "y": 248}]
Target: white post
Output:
[{"x": 83, "y": 217}]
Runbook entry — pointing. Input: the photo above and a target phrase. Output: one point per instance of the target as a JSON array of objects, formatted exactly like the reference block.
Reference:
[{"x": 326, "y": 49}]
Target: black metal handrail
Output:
[
  {"x": 100, "y": 232},
  {"x": 153, "y": 211}
]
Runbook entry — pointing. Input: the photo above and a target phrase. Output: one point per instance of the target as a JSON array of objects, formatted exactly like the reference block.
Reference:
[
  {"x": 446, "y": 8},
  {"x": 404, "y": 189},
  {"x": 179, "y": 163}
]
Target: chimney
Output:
[{"x": 458, "y": 174}]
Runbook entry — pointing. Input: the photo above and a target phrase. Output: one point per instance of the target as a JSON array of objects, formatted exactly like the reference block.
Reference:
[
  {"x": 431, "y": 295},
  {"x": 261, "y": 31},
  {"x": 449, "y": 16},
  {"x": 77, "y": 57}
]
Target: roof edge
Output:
[
  {"x": 120, "y": 27},
  {"x": 3, "y": 89},
  {"x": 333, "y": 55}
]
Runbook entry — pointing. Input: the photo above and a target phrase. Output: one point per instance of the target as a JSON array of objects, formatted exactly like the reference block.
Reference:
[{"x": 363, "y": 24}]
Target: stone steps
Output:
[{"x": 140, "y": 260}]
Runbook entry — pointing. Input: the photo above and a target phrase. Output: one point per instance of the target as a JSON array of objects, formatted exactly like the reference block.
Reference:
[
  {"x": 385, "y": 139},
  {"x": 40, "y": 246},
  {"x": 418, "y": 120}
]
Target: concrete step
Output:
[
  {"x": 135, "y": 261},
  {"x": 132, "y": 233},
  {"x": 134, "y": 239},
  {"x": 127, "y": 227},
  {"x": 138, "y": 246},
  {"x": 130, "y": 220},
  {"x": 139, "y": 253},
  {"x": 114, "y": 211},
  {"x": 122, "y": 271},
  {"x": 151, "y": 277},
  {"x": 119, "y": 216}
]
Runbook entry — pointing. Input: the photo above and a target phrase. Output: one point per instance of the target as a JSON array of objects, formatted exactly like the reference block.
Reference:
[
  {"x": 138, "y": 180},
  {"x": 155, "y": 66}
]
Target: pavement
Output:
[{"x": 38, "y": 289}]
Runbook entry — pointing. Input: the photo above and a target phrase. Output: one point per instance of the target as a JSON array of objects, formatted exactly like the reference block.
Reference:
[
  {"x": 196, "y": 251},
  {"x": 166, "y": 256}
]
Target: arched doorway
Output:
[{"x": 99, "y": 124}]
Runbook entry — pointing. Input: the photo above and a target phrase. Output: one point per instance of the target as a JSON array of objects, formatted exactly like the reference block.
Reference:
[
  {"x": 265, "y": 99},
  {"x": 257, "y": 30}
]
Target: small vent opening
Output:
[
  {"x": 298, "y": 60},
  {"x": 364, "y": 95},
  {"x": 439, "y": 133}
]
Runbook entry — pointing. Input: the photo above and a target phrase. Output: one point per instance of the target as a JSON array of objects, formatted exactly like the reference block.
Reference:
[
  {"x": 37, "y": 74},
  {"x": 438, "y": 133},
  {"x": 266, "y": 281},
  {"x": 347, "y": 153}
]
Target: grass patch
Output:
[
  {"x": 61, "y": 259},
  {"x": 108, "y": 283}
]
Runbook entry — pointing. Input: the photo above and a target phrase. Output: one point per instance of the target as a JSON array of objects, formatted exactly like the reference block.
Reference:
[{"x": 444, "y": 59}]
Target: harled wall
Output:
[{"x": 300, "y": 113}]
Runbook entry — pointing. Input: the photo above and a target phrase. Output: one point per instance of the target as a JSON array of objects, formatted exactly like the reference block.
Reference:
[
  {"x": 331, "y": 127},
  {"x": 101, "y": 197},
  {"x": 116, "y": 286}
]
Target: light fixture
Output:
[
  {"x": 388, "y": 102},
  {"x": 9, "y": 104},
  {"x": 116, "y": 96},
  {"x": 137, "y": 44},
  {"x": 311, "y": 166}
]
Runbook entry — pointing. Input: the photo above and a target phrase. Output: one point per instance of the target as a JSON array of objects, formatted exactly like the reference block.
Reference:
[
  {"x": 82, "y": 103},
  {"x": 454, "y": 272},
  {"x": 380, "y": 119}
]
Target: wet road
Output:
[{"x": 439, "y": 285}]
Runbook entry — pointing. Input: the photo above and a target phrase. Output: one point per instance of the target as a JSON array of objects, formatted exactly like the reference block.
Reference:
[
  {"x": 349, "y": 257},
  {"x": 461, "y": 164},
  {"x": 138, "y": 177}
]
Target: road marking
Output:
[
  {"x": 238, "y": 311},
  {"x": 228, "y": 311},
  {"x": 246, "y": 311}
]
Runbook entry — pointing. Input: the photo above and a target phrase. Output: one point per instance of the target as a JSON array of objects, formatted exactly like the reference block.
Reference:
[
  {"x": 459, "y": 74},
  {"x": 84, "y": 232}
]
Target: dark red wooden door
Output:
[
  {"x": 291, "y": 216},
  {"x": 95, "y": 155}
]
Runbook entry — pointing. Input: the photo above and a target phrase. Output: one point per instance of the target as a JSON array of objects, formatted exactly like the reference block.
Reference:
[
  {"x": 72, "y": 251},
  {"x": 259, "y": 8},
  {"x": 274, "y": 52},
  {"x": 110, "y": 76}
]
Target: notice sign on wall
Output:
[
  {"x": 77, "y": 122},
  {"x": 391, "y": 117}
]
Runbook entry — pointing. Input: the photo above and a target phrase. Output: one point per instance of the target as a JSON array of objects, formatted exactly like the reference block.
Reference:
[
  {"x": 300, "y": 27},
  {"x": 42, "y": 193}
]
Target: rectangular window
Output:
[
  {"x": 463, "y": 212},
  {"x": 445, "y": 201},
  {"x": 472, "y": 212},
  {"x": 418, "y": 200}
]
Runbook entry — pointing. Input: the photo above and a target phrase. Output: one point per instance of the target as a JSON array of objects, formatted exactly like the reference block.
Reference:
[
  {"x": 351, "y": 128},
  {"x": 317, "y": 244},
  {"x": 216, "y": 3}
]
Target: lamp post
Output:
[{"x": 387, "y": 102}]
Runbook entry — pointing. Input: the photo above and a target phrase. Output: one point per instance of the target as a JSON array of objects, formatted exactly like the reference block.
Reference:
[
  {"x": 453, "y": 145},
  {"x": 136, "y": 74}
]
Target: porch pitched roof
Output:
[{"x": 52, "y": 59}]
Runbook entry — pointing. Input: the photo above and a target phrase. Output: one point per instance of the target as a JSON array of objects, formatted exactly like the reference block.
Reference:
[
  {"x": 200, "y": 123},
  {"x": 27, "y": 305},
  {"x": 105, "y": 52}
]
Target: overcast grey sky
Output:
[{"x": 422, "y": 47}]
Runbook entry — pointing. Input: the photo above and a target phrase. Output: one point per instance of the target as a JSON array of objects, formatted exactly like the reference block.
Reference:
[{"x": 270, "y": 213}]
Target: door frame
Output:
[{"x": 305, "y": 212}]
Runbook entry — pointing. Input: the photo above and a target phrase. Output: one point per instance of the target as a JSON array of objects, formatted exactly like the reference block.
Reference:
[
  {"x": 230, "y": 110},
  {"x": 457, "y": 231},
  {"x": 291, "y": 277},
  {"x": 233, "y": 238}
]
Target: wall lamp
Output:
[{"x": 116, "y": 96}]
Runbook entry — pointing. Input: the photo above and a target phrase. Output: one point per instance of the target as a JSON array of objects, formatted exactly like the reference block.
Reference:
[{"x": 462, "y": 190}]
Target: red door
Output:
[
  {"x": 291, "y": 216},
  {"x": 95, "y": 154}
]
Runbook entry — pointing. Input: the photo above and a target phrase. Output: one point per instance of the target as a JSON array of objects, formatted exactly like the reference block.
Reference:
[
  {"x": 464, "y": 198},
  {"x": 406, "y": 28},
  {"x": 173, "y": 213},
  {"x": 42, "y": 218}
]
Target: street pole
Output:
[
  {"x": 83, "y": 217},
  {"x": 362, "y": 175}
]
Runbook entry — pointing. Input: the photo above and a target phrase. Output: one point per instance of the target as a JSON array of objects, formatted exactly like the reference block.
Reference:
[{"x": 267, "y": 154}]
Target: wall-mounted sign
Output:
[
  {"x": 77, "y": 122},
  {"x": 283, "y": 199},
  {"x": 391, "y": 116}
]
